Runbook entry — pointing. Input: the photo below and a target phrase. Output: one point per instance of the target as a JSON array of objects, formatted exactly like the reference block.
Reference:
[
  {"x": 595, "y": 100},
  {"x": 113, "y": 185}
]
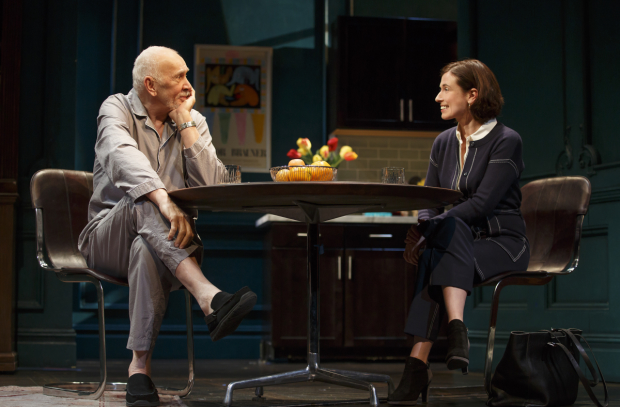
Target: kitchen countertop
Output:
[{"x": 266, "y": 219}]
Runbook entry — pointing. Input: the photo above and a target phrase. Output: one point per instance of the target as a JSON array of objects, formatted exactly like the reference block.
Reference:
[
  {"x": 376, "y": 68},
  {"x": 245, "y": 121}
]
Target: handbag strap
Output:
[
  {"x": 582, "y": 352},
  {"x": 586, "y": 383}
]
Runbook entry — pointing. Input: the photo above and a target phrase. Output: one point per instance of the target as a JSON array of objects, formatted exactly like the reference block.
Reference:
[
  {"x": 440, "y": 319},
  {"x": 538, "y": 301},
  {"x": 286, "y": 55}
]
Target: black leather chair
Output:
[
  {"x": 60, "y": 199},
  {"x": 553, "y": 209}
]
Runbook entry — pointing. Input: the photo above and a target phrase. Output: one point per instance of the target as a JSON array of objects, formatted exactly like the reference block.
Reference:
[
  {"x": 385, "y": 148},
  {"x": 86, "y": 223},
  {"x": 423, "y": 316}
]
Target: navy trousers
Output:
[{"x": 457, "y": 257}]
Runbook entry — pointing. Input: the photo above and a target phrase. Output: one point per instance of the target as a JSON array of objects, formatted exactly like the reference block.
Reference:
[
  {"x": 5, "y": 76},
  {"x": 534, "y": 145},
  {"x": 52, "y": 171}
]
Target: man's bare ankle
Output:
[
  {"x": 132, "y": 371},
  {"x": 205, "y": 304}
]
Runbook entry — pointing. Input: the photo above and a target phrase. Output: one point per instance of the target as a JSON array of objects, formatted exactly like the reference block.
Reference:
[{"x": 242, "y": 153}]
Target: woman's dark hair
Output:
[{"x": 471, "y": 73}]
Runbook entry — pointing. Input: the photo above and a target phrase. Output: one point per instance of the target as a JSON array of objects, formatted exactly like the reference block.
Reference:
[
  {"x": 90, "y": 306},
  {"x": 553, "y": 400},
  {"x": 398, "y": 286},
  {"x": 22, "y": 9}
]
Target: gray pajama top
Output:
[{"x": 131, "y": 159}]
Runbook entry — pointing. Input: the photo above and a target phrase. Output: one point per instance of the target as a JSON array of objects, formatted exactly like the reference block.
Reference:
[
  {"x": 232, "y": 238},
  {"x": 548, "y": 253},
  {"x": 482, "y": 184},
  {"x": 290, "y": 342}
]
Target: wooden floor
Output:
[{"x": 213, "y": 375}]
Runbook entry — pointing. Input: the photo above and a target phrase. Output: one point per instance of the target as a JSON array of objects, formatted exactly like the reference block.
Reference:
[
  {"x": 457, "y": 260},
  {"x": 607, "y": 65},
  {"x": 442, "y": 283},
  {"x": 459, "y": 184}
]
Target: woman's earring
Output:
[{"x": 468, "y": 104}]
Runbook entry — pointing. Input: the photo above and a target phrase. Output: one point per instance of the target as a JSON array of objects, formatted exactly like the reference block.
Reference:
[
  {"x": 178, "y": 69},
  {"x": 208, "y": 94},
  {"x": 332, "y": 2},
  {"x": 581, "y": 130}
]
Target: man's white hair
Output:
[{"x": 147, "y": 64}]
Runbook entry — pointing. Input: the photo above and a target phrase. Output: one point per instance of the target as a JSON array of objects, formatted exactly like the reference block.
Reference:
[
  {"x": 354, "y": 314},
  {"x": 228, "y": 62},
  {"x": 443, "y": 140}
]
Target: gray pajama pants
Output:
[{"x": 131, "y": 242}]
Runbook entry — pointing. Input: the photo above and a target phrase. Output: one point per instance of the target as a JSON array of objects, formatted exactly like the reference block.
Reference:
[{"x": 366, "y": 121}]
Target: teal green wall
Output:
[{"x": 555, "y": 61}]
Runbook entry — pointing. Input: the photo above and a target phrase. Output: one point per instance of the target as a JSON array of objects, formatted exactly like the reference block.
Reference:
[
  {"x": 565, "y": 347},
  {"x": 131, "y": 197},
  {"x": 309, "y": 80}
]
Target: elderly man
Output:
[{"x": 150, "y": 142}]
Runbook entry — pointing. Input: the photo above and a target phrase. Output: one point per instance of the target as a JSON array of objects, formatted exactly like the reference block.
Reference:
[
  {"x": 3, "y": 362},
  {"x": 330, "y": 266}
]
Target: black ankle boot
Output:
[
  {"x": 458, "y": 346},
  {"x": 416, "y": 379}
]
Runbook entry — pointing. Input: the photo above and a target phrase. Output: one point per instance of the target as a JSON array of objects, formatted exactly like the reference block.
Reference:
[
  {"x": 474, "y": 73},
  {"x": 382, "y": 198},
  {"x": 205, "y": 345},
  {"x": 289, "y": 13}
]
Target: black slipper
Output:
[
  {"x": 141, "y": 391},
  {"x": 224, "y": 320}
]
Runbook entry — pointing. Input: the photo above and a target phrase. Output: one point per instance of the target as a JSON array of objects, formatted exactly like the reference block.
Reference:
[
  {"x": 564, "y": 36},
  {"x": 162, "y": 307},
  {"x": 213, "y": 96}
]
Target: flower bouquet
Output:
[{"x": 326, "y": 153}]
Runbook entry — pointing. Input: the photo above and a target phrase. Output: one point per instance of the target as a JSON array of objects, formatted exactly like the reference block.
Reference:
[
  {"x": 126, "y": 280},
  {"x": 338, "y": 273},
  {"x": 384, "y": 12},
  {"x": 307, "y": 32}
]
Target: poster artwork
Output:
[{"x": 233, "y": 86}]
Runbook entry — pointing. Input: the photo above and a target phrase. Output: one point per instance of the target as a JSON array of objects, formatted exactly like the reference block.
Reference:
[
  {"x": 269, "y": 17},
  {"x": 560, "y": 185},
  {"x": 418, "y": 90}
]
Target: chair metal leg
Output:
[
  {"x": 94, "y": 390},
  {"x": 488, "y": 361},
  {"x": 190, "y": 353},
  {"x": 85, "y": 390},
  {"x": 514, "y": 280}
]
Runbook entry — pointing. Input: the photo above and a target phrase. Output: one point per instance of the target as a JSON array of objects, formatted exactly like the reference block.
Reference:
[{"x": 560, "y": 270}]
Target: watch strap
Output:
[{"x": 186, "y": 125}]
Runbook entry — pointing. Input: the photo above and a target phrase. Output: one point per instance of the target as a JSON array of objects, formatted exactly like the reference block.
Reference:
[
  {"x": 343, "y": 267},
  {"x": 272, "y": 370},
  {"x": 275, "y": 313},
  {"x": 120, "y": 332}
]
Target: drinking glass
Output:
[
  {"x": 231, "y": 175},
  {"x": 393, "y": 175}
]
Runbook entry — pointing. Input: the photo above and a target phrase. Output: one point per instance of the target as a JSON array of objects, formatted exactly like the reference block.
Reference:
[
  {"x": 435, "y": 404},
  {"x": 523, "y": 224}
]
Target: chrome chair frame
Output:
[
  {"x": 523, "y": 278},
  {"x": 94, "y": 390}
]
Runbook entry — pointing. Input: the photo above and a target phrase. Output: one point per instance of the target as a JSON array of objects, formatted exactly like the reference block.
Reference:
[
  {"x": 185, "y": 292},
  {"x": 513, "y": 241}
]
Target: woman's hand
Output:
[{"x": 415, "y": 243}]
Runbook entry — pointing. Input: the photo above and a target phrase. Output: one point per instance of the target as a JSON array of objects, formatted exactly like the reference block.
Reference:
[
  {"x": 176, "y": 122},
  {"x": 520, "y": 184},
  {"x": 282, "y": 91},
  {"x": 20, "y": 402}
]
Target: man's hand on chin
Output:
[{"x": 181, "y": 115}]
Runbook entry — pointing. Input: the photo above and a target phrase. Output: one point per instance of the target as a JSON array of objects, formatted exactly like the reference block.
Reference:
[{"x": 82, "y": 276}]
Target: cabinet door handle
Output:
[
  {"x": 350, "y": 267},
  {"x": 380, "y": 236},
  {"x": 410, "y": 110},
  {"x": 402, "y": 110},
  {"x": 305, "y": 235},
  {"x": 339, "y": 267}
]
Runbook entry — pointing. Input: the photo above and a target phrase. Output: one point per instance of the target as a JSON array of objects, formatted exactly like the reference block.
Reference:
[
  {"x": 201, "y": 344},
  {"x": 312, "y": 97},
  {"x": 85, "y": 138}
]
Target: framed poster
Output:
[{"x": 233, "y": 92}]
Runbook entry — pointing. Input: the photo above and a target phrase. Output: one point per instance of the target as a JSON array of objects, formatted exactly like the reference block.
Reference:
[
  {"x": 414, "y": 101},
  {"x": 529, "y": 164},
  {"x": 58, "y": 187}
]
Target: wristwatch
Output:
[{"x": 187, "y": 124}]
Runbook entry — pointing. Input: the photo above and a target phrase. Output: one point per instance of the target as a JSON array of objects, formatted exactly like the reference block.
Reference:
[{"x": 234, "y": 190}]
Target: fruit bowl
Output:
[{"x": 303, "y": 173}]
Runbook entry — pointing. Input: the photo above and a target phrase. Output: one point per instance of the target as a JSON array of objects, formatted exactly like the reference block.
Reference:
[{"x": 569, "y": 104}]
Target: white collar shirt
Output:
[{"x": 479, "y": 134}]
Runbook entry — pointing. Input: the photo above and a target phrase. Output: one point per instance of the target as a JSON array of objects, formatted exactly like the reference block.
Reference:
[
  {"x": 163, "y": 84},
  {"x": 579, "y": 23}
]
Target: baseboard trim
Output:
[
  {"x": 46, "y": 347},
  {"x": 8, "y": 362}
]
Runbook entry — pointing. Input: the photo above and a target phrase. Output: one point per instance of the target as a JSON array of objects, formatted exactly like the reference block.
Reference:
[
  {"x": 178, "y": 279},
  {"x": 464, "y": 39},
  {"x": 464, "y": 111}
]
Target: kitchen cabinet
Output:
[
  {"x": 366, "y": 290},
  {"x": 388, "y": 72}
]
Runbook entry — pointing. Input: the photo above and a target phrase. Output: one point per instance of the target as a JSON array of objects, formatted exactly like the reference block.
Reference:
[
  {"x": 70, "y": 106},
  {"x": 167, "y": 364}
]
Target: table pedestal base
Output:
[{"x": 314, "y": 373}]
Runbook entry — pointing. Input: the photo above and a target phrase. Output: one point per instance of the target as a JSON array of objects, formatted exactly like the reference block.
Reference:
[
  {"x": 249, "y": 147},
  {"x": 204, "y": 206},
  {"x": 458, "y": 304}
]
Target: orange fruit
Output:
[
  {"x": 296, "y": 162},
  {"x": 299, "y": 174},
  {"x": 321, "y": 174},
  {"x": 282, "y": 175},
  {"x": 321, "y": 164}
]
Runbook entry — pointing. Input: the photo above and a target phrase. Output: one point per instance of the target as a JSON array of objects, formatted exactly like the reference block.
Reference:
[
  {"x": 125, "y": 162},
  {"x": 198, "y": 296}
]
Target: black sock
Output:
[{"x": 220, "y": 299}]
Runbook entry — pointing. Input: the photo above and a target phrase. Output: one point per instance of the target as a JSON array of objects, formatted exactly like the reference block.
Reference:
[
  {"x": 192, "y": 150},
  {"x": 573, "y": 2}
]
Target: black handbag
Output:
[{"x": 542, "y": 369}]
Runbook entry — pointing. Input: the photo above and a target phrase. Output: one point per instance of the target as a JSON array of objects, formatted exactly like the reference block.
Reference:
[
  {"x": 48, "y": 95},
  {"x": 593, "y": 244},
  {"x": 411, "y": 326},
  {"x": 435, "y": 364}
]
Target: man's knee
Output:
[
  {"x": 145, "y": 264},
  {"x": 142, "y": 257}
]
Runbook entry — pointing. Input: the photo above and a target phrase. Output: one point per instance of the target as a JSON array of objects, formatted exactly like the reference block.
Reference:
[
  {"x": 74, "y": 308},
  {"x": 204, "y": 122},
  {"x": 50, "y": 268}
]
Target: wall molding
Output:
[
  {"x": 604, "y": 195},
  {"x": 480, "y": 304},
  {"x": 552, "y": 287},
  {"x": 46, "y": 336},
  {"x": 533, "y": 177},
  {"x": 590, "y": 337}
]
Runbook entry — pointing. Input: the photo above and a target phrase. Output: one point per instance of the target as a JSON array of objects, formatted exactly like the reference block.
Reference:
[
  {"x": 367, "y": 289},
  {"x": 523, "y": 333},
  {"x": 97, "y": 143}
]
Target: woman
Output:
[{"x": 481, "y": 236}]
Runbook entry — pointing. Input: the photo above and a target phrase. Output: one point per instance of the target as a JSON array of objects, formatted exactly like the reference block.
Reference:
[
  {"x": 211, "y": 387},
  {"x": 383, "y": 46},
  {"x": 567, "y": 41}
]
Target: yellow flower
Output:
[
  {"x": 304, "y": 143},
  {"x": 344, "y": 150},
  {"x": 324, "y": 151},
  {"x": 317, "y": 158}
]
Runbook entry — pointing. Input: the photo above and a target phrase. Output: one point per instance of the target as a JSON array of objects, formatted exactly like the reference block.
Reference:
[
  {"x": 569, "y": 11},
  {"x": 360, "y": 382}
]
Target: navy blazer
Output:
[{"x": 489, "y": 182}]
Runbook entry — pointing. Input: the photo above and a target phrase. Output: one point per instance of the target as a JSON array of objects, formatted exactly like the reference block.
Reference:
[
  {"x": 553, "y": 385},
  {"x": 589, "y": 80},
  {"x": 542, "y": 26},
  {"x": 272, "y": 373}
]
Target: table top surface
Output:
[{"x": 333, "y": 198}]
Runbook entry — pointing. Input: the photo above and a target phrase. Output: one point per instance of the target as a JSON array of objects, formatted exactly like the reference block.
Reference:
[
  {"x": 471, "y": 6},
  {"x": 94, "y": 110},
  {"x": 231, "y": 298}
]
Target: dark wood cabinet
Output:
[
  {"x": 378, "y": 291},
  {"x": 388, "y": 72},
  {"x": 366, "y": 290}
]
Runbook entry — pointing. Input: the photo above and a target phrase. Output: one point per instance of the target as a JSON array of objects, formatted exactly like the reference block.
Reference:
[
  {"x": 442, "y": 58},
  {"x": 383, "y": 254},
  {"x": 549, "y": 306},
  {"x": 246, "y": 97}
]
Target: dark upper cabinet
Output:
[{"x": 388, "y": 72}]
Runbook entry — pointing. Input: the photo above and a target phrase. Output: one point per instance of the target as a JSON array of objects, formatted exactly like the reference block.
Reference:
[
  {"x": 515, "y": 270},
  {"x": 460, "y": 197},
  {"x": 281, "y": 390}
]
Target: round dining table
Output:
[{"x": 313, "y": 203}]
